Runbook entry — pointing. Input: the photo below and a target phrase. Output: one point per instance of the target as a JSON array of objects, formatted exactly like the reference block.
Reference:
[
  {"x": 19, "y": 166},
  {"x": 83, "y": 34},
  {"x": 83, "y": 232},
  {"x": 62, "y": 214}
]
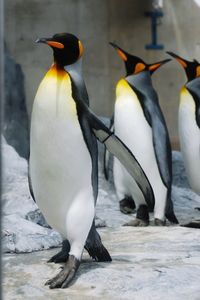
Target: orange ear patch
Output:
[
  {"x": 122, "y": 55},
  {"x": 80, "y": 48},
  {"x": 139, "y": 67},
  {"x": 55, "y": 44},
  {"x": 198, "y": 71}
]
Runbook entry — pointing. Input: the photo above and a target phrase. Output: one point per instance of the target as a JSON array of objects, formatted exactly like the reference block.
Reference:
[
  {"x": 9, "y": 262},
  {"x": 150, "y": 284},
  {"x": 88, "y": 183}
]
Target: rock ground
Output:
[{"x": 148, "y": 263}]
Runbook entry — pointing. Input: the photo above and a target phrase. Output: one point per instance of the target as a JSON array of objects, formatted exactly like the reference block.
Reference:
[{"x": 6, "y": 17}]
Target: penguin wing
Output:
[
  {"x": 116, "y": 147},
  {"x": 106, "y": 156}
]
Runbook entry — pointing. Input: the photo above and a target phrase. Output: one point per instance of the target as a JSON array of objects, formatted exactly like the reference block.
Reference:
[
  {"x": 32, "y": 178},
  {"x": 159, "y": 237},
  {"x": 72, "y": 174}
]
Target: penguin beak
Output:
[
  {"x": 120, "y": 51},
  {"x": 50, "y": 42},
  {"x": 155, "y": 66},
  {"x": 183, "y": 62},
  {"x": 41, "y": 40}
]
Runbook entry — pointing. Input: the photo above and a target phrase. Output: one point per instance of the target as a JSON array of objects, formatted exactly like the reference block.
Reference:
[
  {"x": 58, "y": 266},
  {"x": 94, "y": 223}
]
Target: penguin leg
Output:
[
  {"x": 63, "y": 255},
  {"x": 127, "y": 205},
  {"x": 79, "y": 220},
  {"x": 142, "y": 217},
  {"x": 95, "y": 247}
]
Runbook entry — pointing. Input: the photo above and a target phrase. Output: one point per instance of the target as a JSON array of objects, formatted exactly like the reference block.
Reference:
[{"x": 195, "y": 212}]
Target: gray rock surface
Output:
[
  {"x": 151, "y": 263},
  {"x": 20, "y": 234},
  {"x": 15, "y": 126}
]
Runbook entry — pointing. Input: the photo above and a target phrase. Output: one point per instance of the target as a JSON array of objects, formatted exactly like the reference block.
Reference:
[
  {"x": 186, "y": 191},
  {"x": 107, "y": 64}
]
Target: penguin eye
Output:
[
  {"x": 80, "y": 45},
  {"x": 139, "y": 67},
  {"x": 198, "y": 71},
  {"x": 55, "y": 44}
]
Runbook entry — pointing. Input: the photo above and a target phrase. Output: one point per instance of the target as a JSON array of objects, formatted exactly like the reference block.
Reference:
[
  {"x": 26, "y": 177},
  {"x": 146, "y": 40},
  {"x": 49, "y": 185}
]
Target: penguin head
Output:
[
  {"x": 192, "y": 68},
  {"x": 134, "y": 64},
  {"x": 67, "y": 48}
]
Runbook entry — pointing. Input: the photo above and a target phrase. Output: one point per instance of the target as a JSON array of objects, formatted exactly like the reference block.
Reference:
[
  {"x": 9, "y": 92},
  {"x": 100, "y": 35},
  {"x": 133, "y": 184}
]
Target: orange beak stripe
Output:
[
  {"x": 139, "y": 67},
  {"x": 122, "y": 55},
  {"x": 154, "y": 67},
  {"x": 55, "y": 44},
  {"x": 182, "y": 62}
]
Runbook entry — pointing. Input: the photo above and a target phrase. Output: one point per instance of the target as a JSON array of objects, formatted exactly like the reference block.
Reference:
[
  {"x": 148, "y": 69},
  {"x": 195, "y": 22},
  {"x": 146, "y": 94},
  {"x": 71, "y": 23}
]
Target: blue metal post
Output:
[{"x": 154, "y": 15}]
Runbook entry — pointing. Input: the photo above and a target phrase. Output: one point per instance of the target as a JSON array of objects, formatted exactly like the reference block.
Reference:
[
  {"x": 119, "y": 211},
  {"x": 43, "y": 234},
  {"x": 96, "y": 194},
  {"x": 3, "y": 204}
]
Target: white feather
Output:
[{"x": 189, "y": 134}]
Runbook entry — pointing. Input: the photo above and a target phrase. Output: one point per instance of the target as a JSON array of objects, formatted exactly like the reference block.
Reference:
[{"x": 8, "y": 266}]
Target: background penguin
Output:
[
  {"x": 63, "y": 156},
  {"x": 139, "y": 123},
  {"x": 189, "y": 121}
]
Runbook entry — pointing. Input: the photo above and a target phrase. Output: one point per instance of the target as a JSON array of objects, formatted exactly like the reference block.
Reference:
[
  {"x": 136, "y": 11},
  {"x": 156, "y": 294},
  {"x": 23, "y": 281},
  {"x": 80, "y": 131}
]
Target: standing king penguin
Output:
[
  {"x": 139, "y": 123},
  {"x": 64, "y": 158},
  {"x": 189, "y": 121}
]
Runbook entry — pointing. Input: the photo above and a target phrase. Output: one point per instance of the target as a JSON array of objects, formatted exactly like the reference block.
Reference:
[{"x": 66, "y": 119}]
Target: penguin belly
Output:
[
  {"x": 134, "y": 130},
  {"x": 189, "y": 134},
  {"x": 60, "y": 163}
]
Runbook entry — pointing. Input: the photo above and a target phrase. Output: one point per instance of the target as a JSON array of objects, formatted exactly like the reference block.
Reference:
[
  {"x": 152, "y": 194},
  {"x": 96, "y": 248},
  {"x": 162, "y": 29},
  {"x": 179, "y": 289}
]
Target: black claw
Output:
[{"x": 62, "y": 279}]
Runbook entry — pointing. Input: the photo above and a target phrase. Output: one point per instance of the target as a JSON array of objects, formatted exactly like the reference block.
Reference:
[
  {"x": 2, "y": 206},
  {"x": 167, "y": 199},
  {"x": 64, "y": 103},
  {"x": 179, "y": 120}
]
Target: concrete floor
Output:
[{"x": 148, "y": 263}]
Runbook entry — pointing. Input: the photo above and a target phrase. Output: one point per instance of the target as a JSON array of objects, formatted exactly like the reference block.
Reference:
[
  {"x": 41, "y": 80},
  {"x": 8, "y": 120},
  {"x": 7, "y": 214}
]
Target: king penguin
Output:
[
  {"x": 139, "y": 123},
  {"x": 63, "y": 162},
  {"x": 189, "y": 121}
]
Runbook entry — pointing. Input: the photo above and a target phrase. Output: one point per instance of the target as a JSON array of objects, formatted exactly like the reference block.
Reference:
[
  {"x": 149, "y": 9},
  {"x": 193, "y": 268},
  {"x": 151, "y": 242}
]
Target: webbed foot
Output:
[
  {"x": 137, "y": 223},
  {"x": 159, "y": 222},
  {"x": 66, "y": 275}
]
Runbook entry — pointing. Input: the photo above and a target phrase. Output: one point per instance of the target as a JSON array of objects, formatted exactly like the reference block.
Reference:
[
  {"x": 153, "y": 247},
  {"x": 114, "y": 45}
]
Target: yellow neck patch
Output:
[{"x": 56, "y": 71}]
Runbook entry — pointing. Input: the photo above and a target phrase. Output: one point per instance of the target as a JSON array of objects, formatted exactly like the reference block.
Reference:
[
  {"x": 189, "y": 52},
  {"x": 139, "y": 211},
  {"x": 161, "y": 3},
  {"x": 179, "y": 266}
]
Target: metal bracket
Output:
[{"x": 154, "y": 15}]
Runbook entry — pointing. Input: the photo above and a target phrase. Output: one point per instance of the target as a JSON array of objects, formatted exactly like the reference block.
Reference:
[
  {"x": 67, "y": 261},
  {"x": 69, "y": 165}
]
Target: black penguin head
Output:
[
  {"x": 134, "y": 64},
  {"x": 192, "y": 68},
  {"x": 67, "y": 48}
]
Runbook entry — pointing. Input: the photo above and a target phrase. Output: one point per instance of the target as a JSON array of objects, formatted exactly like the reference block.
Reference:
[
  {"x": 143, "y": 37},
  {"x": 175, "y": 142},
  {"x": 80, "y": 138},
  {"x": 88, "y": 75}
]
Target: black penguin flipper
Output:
[
  {"x": 94, "y": 246},
  {"x": 116, "y": 147},
  {"x": 163, "y": 155},
  {"x": 106, "y": 154}
]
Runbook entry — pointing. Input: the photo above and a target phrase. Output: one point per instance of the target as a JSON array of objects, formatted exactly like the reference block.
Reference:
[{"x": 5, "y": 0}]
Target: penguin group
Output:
[{"x": 63, "y": 164}]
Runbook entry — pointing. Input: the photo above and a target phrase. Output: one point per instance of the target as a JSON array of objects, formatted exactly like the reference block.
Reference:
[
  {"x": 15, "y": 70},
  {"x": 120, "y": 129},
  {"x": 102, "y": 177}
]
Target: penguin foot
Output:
[
  {"x": 127, "y": 205},
  {"x": 66, "y": 275},
  {"x": 159, "y": 222},
  {"x": 137, "y": 223}
]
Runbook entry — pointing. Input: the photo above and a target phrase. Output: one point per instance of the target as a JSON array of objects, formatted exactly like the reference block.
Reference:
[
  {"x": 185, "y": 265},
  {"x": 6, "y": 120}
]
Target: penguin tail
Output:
[
  {"x": 99, "y": 253},
  {"x": 192, "y": 224},
  {"x": 169, "y": 212},
  {"x": 94, "y": 246},
  {"x": 172, "y": 218}
]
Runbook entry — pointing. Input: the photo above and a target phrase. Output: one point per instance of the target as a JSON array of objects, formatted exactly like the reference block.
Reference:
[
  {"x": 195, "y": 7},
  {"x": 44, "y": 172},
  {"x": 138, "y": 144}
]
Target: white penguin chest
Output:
[
  {"x": 131, "y": 125},
  {"x": 60, "y": 163},
  {"x": 189, "y": 133}
]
